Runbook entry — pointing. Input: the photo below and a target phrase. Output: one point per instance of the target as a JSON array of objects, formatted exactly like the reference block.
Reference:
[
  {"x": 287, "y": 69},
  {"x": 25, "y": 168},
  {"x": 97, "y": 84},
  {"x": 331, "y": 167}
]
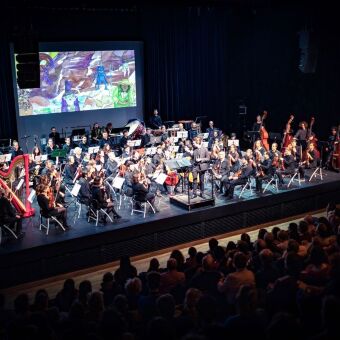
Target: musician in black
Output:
[
  {"x": 84, "y": 145},
  {"x": 265, "y": 170},
  {"x": 141, "y": 191},
  {"x": 257, "y": 125},
  {"x": 124, "y": 139},
  {"x": 193, "y": 132},
  {"x": 68, "y": 145},
  {"x": 105, "y": 139},
  {"x": 155, "y": 120},
  {"x": 55, "y": 136},
  {"x": 164, "y": 135},
  {"x": 330, "y": 146},
  {"x": 274, "y": 152},
  {"x": 201, "y": 158},
  {"x": 146, "y": 138},
  {"x": 98, "y": 193},
  {"x": 50, "y": 147},
  {"x": 288, "y": 166},
  {"x": 156, "y": 159},
  {"x": 70, "y": 170},
  {"x": 302, "y": 134},
  {"x": 48, "y": 208},
  {"x": 84, "y": 194},
  {"x": 111, "y": 165},
  {"x": 239, "y": 178},
  {"x": 221, "y": 169},
  {"x": 9, "y": 216},
  {"x": 109, "y": 128},
  {"x": 211, "y": 129},
  {"x": 16, "y": 149},
  {"x": 312, "y": 157},
  {"x": 95, "y": 134}
]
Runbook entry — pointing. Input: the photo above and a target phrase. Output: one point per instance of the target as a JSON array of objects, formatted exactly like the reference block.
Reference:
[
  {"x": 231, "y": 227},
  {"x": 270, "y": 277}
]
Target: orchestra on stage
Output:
[{"x": 137, "y": 163}]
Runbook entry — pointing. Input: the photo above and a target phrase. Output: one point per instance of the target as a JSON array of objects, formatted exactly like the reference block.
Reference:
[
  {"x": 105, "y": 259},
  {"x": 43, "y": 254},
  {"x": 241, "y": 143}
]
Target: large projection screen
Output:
[{"x": 81, "y": 83}]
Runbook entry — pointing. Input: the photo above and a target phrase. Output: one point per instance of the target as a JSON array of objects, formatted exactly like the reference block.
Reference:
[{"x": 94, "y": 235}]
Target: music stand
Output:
[
  {"x": 254, "y": 135},
  {"x": 169, "y": 123},
  {"x": 275, "y": 136},
  {"x": 58, "y": 153}
]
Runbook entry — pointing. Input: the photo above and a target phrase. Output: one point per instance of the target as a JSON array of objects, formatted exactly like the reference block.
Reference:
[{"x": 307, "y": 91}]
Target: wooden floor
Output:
[{"x": 95, "y": 274}]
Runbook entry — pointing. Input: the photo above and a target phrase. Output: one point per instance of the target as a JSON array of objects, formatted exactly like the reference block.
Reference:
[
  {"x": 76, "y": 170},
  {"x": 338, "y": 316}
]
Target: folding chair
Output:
[
  {"x": 247, "y": 186},
  {"x": 94, "y": 210},
  {"x": 143, "y": 204},
  {"x": 48, "y": 219},
  {"x": 7, "y": 228}
]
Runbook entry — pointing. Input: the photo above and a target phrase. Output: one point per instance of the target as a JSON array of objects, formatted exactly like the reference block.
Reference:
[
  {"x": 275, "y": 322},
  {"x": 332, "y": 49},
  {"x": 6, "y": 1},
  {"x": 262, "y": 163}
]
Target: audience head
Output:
[
  {"x": 172, "y": 264},
  {"x": 192, "y": 252},
  {"x": 166, "y": 306},
  {"x": 153, "y": 281},
  {"x": 154, "y": 265},
  {"x": 240, "y": 261},
  {"x": 133, "y": 286}
]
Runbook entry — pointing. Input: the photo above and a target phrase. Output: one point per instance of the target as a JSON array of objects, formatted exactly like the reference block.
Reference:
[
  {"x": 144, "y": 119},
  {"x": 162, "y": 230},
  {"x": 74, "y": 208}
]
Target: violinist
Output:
[
  {"x": 48, "y": 207},
  {"x": 70, "y": 170},
  {"x": 47, "y": 170},
  {"x": 98, "y": 193},
  {"x": 221, "y": 169},
  {"x": 111, "y": 165},
  {"x": 233, "y": 157},
  {"x": 78, "y": 155},
  {"x": 288, "y": 167},
  {"x": 193, "y": 132},
  {"x": 156, "y": 159},
  {"x": 258, "y": 150},
  {"x": 141, "y": 192},
  {"x": 274, "y": 152},
  {"x": 84, "y": 194},
  {"x": 265, "y": 170},
  {"x": 215, "y": 147},
  {"x": 311, "y": 157},
  {"x": 36, "y": 154},
  {"x": 238, "y": 178},
  {"x": 164, "y": 134},
  {"x": 146, "y": 138}
]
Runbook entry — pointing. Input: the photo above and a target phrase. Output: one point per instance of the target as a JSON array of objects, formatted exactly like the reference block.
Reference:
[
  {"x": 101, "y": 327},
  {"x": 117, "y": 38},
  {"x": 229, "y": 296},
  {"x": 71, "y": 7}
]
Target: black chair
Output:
[
  {"x": 143, "y": 204},
  {"x": 94, "y": 210},
  {"x": 8, "y": 229}
]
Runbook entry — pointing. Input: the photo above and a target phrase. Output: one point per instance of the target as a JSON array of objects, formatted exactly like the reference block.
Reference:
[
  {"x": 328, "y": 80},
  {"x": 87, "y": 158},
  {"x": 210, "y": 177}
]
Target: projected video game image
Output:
[{"x": 80, "y": 81}]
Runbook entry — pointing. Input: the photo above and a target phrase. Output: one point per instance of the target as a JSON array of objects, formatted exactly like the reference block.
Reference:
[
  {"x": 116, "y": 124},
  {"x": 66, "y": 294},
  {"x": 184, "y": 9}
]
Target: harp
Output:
[{"x": 15, "y": 180}]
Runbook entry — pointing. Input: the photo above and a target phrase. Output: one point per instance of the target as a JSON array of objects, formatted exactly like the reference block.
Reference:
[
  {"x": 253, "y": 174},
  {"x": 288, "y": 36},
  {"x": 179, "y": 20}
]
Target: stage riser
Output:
[{"x": 67, "y": 256}]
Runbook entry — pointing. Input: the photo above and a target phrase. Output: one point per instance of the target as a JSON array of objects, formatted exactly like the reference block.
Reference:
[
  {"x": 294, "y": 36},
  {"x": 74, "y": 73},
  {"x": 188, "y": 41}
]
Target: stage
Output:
[{"x": 38, "y": 255}]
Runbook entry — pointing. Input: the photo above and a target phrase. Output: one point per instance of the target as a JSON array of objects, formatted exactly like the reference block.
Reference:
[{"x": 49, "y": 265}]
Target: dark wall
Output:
[{"x": 202, "y": 60}]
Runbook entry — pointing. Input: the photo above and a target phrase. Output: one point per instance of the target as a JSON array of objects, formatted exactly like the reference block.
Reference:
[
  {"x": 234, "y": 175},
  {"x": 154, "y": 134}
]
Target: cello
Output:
[
  {"x": 287, "y": 138},
  {"x": 263, "y": 132},
  {"x": 336, "y": 151}
]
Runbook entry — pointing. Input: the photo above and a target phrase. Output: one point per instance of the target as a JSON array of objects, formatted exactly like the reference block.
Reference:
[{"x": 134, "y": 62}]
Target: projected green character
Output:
[{"x": 123, "y": 95}]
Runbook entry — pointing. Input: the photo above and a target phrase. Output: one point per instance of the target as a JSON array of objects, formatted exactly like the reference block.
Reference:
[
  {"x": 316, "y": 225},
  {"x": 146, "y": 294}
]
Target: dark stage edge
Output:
[{"x": 38, "y": 256}]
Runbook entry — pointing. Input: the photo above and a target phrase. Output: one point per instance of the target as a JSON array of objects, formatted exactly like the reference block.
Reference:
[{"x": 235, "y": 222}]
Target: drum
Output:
[{"x": 136, "y": 129}]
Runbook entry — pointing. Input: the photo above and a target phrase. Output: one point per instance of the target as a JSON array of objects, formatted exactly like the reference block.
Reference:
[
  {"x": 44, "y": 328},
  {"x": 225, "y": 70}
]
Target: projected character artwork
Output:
[{"x": 80, "y": 81}]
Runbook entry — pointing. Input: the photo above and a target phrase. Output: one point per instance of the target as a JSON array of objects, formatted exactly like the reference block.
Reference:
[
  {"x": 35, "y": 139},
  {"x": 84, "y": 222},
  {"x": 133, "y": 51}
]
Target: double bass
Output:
[
  {"x": 263, "y": 132},
  {"x": 287, "y": 138},
  {"x": 336, "y": 151},
  {"x": 311, "y": 138}
]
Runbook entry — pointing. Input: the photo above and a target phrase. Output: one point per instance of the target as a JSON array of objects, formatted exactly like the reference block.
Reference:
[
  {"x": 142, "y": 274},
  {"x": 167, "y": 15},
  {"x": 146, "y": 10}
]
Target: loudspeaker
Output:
[
  {"x": 309, "y": 48},
  {"x": 28, "y": 70}
]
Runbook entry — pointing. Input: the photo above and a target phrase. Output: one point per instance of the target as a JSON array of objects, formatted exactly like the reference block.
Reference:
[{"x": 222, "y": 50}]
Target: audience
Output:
[{"x": 285, "y": 284}]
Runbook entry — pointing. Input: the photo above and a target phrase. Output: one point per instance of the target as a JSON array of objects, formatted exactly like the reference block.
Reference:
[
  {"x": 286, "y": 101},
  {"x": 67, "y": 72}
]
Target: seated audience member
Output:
[
  {"x": 233, "y": 281},
  {"x": 172, "y": 278}
]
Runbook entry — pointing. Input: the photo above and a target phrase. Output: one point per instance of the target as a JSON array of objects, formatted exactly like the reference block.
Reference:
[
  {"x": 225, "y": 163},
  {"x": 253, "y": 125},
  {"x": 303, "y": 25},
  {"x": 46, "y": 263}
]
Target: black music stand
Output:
[
  {"x": 169, "y": 123},
  {"x": 253, "y": 135},
  {"x": 184, "y": 200}
]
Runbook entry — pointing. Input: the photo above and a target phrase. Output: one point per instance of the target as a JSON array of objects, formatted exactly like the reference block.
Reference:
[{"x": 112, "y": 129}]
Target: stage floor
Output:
[{"x": 80, "y": 227}]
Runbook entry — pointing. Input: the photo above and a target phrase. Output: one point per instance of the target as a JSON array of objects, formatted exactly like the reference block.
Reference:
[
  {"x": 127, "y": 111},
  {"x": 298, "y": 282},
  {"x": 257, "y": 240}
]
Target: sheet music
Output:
[
  {"x": 182, "y": 134},
  {"x": 161, "y": 178},
  {"x": 118, "y": 182},
  {"x": 31, "y": 196},
  {"x": 8, "y": 157},
  {"x": 75, "y": 190},
  {"x": 44, "y": 157},
  {"x": 235, "y": 142}
]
